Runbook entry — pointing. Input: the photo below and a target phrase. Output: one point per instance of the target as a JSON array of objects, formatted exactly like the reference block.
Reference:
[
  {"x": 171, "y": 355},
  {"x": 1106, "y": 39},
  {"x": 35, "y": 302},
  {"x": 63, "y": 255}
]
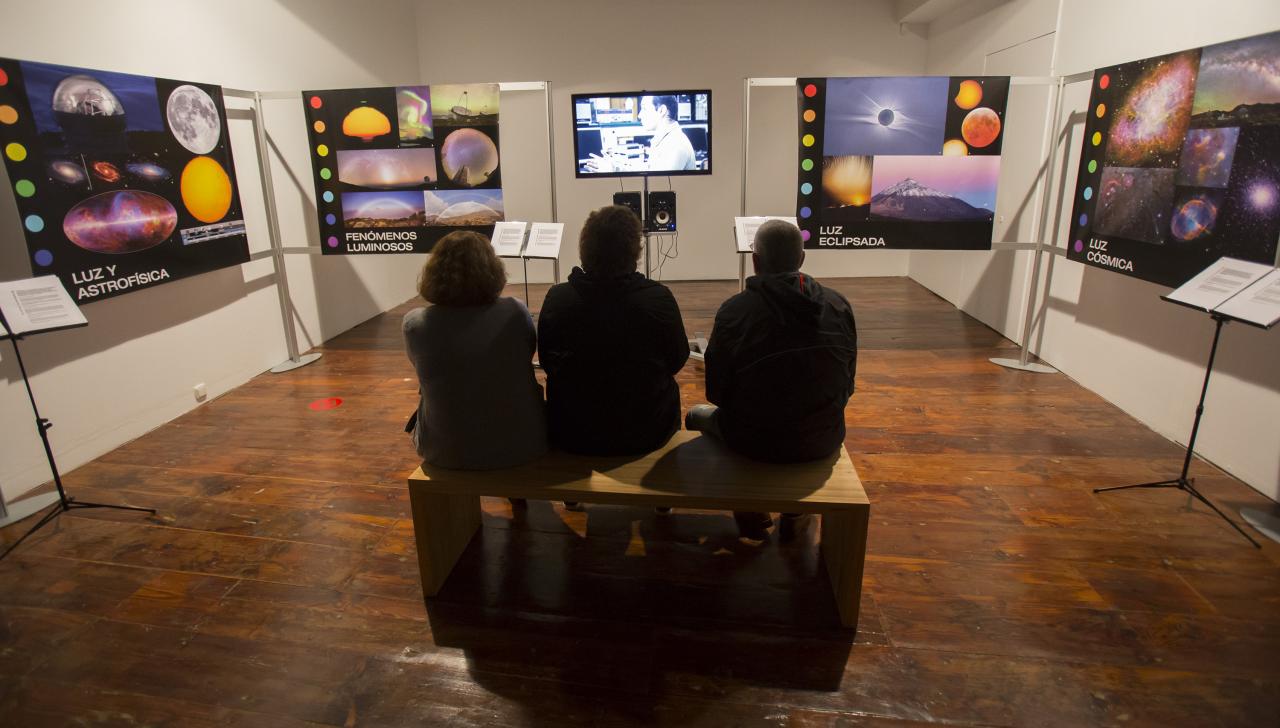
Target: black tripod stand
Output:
[
  {"x": 1182, "y": 482},
  {"x": 64, "y": 503}
]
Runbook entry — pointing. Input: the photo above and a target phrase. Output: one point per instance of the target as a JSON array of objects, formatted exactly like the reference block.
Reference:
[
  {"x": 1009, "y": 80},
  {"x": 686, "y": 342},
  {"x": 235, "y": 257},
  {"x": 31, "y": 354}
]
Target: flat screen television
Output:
[{"x": 632, "y": 134}]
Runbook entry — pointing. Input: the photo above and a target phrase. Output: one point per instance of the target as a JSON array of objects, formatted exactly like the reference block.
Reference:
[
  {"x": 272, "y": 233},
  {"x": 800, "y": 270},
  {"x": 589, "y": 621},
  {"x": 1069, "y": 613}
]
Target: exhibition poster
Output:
[
  {"x": 1181, "y": 162},
  {"x": 398, "y": 168},
  {"x": 122, "y": 182},
  {"x": 900, "y": 162}
]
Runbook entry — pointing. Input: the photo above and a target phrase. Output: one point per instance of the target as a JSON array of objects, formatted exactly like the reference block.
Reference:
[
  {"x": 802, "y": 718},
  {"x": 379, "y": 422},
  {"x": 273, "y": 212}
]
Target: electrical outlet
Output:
[{"x": 201, "y": 392}]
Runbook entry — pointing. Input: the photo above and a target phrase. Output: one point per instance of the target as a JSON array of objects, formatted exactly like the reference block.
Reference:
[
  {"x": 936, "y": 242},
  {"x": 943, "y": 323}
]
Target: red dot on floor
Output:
[{"x": 327, "y": 403}]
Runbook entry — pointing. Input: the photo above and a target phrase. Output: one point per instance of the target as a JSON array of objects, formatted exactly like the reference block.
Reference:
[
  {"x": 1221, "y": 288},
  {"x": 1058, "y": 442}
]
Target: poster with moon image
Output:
[
  {"x": 398, "y": 168},
  {"x": 899, "y": 162},
  {"x": 1181, "y": 162},
  {"x": 122, "y": 182}
]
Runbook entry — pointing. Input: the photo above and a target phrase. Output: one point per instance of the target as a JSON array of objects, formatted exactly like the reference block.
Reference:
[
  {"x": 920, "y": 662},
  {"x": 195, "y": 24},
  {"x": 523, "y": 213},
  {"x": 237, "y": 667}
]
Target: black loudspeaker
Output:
[
  {"x": 662, "y": 212},
  {"x": 631, "y": 200}
]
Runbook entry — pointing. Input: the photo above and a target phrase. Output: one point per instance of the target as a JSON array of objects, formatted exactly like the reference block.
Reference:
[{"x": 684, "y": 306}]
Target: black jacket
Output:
[
  {"x": 611, "y": 349},
  {"x": 780, "y": 365}
]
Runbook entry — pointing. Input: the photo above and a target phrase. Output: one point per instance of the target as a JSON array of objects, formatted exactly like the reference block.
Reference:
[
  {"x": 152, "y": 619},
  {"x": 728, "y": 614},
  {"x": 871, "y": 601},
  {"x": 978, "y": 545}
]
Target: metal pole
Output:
[
  {"x": 644, "y": 207},
  {"x": 746, "y": 162},
  {"x": 277, "y": 253},
  {"x": 551, "y": 155},
  {"x": 1042, "y": 214}
]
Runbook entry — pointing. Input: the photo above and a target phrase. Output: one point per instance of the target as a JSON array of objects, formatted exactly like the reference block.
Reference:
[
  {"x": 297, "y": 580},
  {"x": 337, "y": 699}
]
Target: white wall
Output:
[
  {"x": 1110, "y": 332},
  {"x": 133, "y": 368},
  {"x": 611, "y": 45}
]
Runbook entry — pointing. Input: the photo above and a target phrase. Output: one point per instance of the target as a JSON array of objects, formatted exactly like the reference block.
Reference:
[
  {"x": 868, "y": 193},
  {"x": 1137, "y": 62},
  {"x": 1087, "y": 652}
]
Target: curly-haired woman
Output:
[{"x": 480, "y": 406}]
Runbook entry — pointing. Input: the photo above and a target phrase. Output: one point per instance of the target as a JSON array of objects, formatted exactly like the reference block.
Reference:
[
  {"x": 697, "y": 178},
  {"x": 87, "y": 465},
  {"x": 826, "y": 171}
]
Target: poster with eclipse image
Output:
[
  {"x": 398, "y": 168},
  {"x": 1181, "y": 162},
  {"x": 900, "y": 162},
  {"x": 122, "y": 182}
]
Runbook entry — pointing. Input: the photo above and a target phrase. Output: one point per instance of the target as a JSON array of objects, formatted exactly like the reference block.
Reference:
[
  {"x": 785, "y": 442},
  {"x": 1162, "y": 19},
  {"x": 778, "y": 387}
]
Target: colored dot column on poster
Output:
[
  {"x": 319, "y": 127},
  {"x": 328, "y": 196},
  {"x": 8, "y": 114},
  {"x": 34, "y": 223},
  {"x": 807, "y": 165},
  {"x": 15, "y": 151},
  {"x": 1104, "y": 81},
  {"x": 24, "y": 188},
  {"x": 1097, "y": 138},
  {"x": 4, "y": 78},
  {"x": 1088, "y": 193},
  {"x": 1101, "y": 110},
  {"x": 804, "y": 235},
  {"x": 810, "y": 90},
  {"x": 810, "y": 115},
  {"x": 807, "y": 140},
  {"x": 1084, "y": 219},
  {"x": 316, "y": 102},
  {"x": 322, "y": 150},
  {"x": 333, "y": 241},
  {"x": 43, "y": 258},
  {"x": 325, "y": 173},
  {"x": 1093, "y": 166},
  {"x": 806, "y": 188},
  {"x": 330, "y": 218},
  {"x": 805, "y": 212},
  {"x": 1079, "y": 246}
]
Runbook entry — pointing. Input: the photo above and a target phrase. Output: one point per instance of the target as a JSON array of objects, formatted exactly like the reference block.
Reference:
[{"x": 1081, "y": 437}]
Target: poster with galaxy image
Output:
[
  {"x": 398, "y": 168},
  {"x": 122, "y": 182},
  {"x": 1181, "y": 162},
  {"x": 900, "y": 162}
]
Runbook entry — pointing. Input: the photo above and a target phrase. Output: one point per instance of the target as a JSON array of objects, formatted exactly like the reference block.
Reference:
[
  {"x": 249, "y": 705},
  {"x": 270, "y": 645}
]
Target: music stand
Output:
[
  {"x": 1223, "y": 291},
  {"x": 72, "y": 318}
]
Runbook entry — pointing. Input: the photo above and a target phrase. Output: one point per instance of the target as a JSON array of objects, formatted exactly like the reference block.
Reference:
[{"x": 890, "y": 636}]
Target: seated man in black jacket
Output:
[
  {"x": 611, "y": 342},
  {"x": 780, "y": 363}
]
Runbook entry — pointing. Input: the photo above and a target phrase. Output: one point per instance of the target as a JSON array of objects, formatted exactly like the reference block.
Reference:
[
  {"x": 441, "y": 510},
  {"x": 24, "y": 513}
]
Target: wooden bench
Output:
[{"x": 690, "y": 471}]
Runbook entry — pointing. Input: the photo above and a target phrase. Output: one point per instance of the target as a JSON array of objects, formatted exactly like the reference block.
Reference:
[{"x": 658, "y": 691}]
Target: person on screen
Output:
[
  {"x": 479, "y": 406},
  {"x": 780, "y": 364},
  {"x": 611, "y": 342},
  {"x": 669, "y": 150}
]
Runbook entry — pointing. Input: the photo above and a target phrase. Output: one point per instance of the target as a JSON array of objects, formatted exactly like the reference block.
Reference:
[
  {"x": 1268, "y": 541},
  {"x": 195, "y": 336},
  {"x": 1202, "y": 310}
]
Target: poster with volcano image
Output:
[
  {"x": 397, "y": 168},
  {"x": 122, "y": 182},
  {"x": 900, "y": 162},
  {"x": 1181, "y": 162}
]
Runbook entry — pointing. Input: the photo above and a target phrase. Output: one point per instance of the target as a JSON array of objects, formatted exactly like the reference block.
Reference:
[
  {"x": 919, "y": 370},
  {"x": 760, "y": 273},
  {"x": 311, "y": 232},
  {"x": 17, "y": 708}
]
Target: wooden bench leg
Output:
[
  {"x": 442, "y": 526},
  {"x": 844, "y": 549}
]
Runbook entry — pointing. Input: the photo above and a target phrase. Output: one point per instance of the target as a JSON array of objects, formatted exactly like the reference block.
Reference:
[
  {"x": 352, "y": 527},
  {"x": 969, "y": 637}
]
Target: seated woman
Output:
[{"x": 480, "y": 407}]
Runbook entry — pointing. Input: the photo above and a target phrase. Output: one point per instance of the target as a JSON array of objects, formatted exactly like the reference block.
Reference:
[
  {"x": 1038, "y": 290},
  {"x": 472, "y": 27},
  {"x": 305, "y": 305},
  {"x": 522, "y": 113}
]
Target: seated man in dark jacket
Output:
[
  {"x": 780, "y": 363},
  {"x": 611, "y": 342}
]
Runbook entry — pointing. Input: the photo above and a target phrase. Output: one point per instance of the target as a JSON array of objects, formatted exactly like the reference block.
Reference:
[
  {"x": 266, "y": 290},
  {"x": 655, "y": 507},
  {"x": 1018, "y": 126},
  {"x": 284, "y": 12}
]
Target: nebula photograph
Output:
[
  {"x": 463, "y": 207},
  {"x": 975, "y": 115},
  {"x": 383, "y": 209},
  {"x": 885, "y": 116},
  {"x": 1148, "y": 125},
  {"x": 1206, "y": 157},
  {"x": 935, "y": 188},
  {"x": 1134, "y": 203},
  {"x": 384, "y": 169},
  {"x": 1240, "y": 80},
  {"x": 1195, "y": 214}
]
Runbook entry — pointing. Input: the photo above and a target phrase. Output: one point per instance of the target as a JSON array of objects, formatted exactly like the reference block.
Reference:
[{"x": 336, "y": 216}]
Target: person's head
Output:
[
  {"x": 778, "y": 248},
  {"x": 657, "y": 110},
  {"x": 462, "y": 270},
  {"x": 609, "y": 244}
]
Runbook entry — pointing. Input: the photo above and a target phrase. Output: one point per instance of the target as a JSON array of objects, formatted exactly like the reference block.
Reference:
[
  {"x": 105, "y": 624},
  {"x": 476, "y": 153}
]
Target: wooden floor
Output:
[{"x": 278, "y": 584}]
